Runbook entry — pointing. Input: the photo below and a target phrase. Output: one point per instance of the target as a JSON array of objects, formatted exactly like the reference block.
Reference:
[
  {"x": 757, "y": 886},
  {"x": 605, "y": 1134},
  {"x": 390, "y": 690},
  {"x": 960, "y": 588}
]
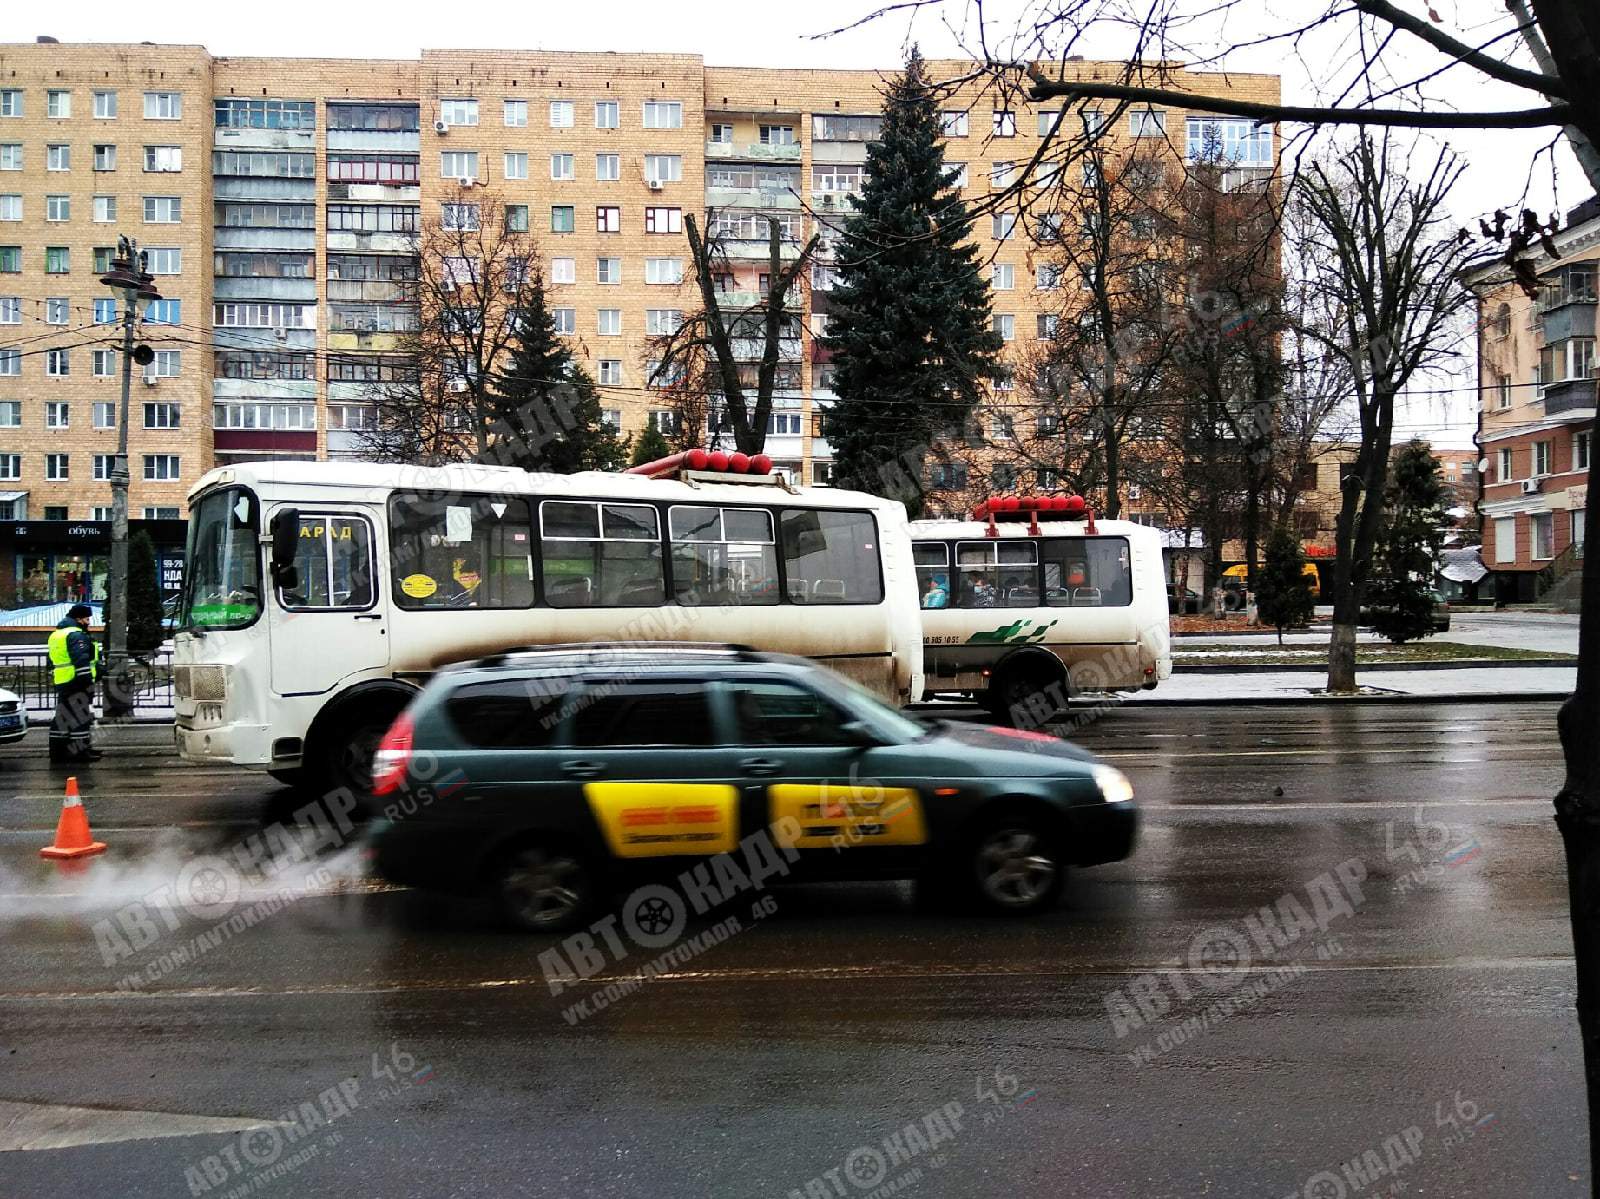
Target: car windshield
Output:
[{"x": 222, "y": 584}]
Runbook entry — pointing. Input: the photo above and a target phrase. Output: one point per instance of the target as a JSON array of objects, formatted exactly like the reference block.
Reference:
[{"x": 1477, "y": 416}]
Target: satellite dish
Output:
[{"x": 1483, "y": 466}]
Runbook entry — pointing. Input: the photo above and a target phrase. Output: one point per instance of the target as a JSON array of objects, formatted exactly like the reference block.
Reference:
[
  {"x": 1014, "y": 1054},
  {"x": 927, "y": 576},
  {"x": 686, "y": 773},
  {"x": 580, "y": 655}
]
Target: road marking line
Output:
[
  {"x": 1304, "y": 752},
  {"x": 1335, "y": 805},
  {"x": 35, "y": 1126}
]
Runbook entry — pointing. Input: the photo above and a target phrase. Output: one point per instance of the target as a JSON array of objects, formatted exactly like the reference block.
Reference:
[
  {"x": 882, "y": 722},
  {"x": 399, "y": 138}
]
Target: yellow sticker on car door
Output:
[
  {"x": 654, "y": 820},
  {"x": 845, "y": 816}
]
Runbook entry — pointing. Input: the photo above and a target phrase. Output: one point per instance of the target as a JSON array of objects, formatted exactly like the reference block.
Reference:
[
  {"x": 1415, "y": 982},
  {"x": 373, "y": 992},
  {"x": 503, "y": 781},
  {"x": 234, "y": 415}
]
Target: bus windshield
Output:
[{"x": 222, "y": 589}]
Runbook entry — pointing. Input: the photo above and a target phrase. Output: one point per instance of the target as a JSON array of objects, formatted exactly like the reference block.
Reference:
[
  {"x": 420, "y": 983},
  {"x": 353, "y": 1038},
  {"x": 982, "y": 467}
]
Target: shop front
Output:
[{"x": 45, "y": 563}]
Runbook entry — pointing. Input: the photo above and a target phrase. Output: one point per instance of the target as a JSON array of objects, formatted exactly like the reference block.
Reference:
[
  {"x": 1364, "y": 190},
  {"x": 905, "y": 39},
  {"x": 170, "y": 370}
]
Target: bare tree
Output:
[{"x": 704, "y": 356}]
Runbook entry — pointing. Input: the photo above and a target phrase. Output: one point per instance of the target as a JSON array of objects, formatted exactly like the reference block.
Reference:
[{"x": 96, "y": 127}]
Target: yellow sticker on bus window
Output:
[
  {"x": 845, "y": 816},
  {"x": 653, "y": 820},
  {"x": 419, "y": 586}
]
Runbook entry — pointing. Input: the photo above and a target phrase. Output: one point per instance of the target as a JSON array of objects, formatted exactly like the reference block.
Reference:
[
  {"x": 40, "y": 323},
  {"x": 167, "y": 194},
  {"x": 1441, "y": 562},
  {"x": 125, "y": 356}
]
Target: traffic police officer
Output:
[{"x": 75, "y": 664}]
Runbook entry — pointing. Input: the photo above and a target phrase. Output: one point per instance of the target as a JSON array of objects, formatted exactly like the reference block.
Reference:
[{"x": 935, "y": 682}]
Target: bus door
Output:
[{"x": 334, "y": 621}]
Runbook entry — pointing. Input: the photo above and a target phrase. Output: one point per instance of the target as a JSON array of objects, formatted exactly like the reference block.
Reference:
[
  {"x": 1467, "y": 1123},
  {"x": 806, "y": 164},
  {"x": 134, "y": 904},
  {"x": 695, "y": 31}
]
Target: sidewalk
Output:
[{"x": 1477, "y": 684}]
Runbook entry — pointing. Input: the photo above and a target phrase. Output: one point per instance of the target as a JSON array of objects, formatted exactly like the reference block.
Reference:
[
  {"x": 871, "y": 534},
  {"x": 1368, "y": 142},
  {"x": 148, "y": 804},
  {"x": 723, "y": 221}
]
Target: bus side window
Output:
[
  {"x": 333, "y": 558},
  {"x": 932, "y": 559},
  {"x": 601, "y": 555},
  {"x": 831, "y": 557},
  {"x": 460, "y": 551}
]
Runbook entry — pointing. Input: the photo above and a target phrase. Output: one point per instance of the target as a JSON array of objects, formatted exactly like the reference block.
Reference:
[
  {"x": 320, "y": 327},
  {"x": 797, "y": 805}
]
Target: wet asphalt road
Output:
[{"x": 1424, "y": 1036}]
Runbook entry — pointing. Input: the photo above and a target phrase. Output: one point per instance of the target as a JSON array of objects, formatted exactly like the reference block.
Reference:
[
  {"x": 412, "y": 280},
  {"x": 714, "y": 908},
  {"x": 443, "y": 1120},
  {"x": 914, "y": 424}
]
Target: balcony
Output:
[
  {"x": 371, "y": 242},
  {"x": 244, "y": 237},
  {"x": 303, "y": 390},
  {"x": 753, "y": 248},
  {"x": 345, "y": 339},
  {"x": 263, "y": 187},
  {"x": 751, "y": 197},
  {"x": 750, "y": 349},
  {"x": 265, "y": 139},
  {"x": 1573, "y": 318},
  {"x": 1573, "y": 397},
  {"x": 264, "y": 287},
  {"x": 732, "y": 301},
  {"x": 374, "y": 139},
  {"x": 258, "y": 339},
  {"x": 757, "y": 151},
  {"x": 373, "y": 291}
]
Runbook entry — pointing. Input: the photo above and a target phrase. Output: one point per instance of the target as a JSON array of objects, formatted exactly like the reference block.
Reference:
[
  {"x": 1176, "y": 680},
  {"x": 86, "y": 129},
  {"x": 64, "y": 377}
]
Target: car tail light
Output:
[{"x": 393, "y": 757}]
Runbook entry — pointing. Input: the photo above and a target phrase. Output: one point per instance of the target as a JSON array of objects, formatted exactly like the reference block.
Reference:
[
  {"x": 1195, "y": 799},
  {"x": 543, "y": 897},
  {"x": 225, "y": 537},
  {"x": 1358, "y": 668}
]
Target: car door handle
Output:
[
  {"x": 581, "y": 769},
  {"x": 760, "y": 766}
]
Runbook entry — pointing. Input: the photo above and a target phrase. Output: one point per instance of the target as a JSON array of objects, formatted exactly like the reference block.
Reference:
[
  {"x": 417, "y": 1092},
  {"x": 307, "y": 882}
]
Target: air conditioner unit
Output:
[
  {"x": 458, "y": 384},
  {"x": 1134, "y": 491},
  {"x": 1532, "y": 486},
  {"x": 441, "y": 128},
  {"x": 827, "y": 200},
  {"x": 654, "y": 185},
  {"x": 150, "y": 380},
  {"x": 467, "y": 181}
]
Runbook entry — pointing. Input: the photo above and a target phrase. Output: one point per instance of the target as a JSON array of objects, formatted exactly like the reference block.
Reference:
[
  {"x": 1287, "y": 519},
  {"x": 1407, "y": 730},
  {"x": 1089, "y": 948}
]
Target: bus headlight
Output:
[{"x": 1114, "y": 785}]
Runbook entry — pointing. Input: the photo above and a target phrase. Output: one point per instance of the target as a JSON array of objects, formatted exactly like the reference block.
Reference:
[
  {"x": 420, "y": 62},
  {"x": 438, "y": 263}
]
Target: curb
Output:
[
  {"x": 1454, "y": 664},
  {"x": 1398, "y": 697}
]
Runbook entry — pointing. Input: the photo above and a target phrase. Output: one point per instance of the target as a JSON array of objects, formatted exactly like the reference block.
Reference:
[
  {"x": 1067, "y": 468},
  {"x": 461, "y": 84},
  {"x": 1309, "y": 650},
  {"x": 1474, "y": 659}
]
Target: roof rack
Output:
[{"x": 604, "y": 647}]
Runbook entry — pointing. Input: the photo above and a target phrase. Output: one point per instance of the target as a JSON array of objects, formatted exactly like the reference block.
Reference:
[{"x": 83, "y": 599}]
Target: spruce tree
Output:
[
  {"x": 909, "y": 320},
  {"x": 1399, "y": 591},
  {"x": 544, "y": 409},
  {"x": 650, "y": 446},
  {"x": 145, "y": 633},
  {"x": 1283, "y": 592}
]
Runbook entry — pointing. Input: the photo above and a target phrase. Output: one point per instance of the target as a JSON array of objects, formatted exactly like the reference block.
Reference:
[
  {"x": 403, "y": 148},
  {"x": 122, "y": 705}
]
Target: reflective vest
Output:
[{"x": 61, "y": 657}]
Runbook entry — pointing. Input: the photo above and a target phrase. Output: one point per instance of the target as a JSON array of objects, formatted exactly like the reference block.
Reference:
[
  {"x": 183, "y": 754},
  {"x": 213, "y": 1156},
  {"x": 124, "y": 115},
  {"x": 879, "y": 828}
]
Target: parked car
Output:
[
  {"x": 1181, "y": 601},
  {"x": 13, "y": 717},
  {"x": 1439, "y": 615},
  {"x": 548, "y": 778}
]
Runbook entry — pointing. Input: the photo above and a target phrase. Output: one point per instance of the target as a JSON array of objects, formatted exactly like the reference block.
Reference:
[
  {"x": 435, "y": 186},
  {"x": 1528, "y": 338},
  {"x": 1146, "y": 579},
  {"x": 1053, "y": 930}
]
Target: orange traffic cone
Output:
[{"x": 72, "y": 830}]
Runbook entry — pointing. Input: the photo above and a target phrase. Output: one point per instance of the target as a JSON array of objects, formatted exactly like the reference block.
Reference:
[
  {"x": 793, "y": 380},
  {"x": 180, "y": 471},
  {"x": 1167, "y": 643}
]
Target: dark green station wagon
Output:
[{"x": 551, "y": 777}]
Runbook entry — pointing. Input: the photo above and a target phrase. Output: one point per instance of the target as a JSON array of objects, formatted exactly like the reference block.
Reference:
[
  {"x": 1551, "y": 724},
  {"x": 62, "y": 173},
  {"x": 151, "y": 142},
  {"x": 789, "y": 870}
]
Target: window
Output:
[
  {"x": 516, "y": 113},
  {"x": 675, "y": 714},
  {"x": 58, "y": 208},
  {"x": 658, "y": 321},
  {"x": 105, "y": 158},
  {"x": 1505, "y": 539},
  {"x": 10, "y": 207},
  {"x": 1542, "y": 528},
  {"x": 1573, "y": 358},
  {"x": 103, "y": 464},
  {"x": 1001, "y": 173},
  {"x": 565, "y": 320},
  {"x": 1505, "y": 475},
  {"x": 663, "y": 168},
  {"x": 563, "y": 270},
  {"x": 1006, "y": 326},
  {"x": 608, "y": 270},
  {"x": 777, "y": 135},
  {"x": 162, "y": 210},
  {"x": 1002, "y": 277},
  {"x": 837, "y": 178},
  {"x": 163, "y": 106},
  {"x": 57, "y": 363},
  {"x": 458, "y": 216},
  {"x": 58, "y": 158},
  {"x": 957, "y": 176},
  {"x": 1045, "y": 325},
  {"x": 458, "y": 112},
  {"x": 1047, "y": 278},
  {"x": 721, "y": 135},
  {"x": 1147, "y": 122},
  {"x": 162, "y": 513},
  {"x": 608, "y": 219},
  {"x": 1580, "y": 451},
  {"x": 10, "y": 414},
  {"x": 386, "y": 168},
  {"x": 333, "y": 561},
  {"x": 831, "y": 557},
  {"x": 722, "y": 555},
  {"x": 102, "y": 365},
  {"x": 10, "y": 102},
  {"x": 1503, "y": 391},
  {"x": 10, "y": 310},
  {"x": 663, "y": 114},
  {"x": 663, "y": 270},
  {"x": 1541, "y": 458},
  {"x": 562, "y": 218},
  {"x": 57, "y": 103},
  {"x": 105, "y": 106},
  {"x": 612, "y": 419},
  {"x": 458, "y": 164},
  {"x": 57, "y": 260},
  {"x": 1047, "y": 121},
  {"x": 56, "y": 467},
  {"x": 10, "y": 466},
  {"x": 516, "y": 218},
  {"x": 606, "y": 114},
  {"x": 10, "y": 362},
  {"x": 10, "y": 156},
  {"x": 105, "y": 210},
  {"x": 1229, "y": 139},
  {"x": 10, "y": 260},
  {"x": 601, "y": 555},
  {"x": 611, "y": 372},
  {"x": 515, "y": 165},
  {"x": 264, "y": 316},
  {"x": 953, "y": 124},
  {"x": 103, "y": 414},
  {"x": 164, "y": 312},
  {"x": 234, "y": 113},
  {"x": 1005, "y": 123},
  {"x": 161, "y": 468},
  {"x": 663, "y": 220},
  {"x": 1003, "y": 225},
  {"x": 609, "y": 322},
  {"x": 168, "y": 158},
  {"x": 57, "y": 414},
  {"x": 455, "y": 551},
  {"x": 55, "y": 310},
  {"x": 607, "y": 167},
  {"x": 167, "y": 364}
]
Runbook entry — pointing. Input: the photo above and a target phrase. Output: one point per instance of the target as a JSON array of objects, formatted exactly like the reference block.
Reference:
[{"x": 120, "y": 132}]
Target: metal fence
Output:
[{"x": 28, "y": 674}]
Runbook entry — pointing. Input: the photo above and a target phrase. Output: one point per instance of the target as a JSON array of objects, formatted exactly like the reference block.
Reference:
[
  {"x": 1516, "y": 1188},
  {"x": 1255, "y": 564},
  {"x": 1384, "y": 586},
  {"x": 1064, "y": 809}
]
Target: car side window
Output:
[
  {"x": 770, "y": 712},
  {"x": 611, "y": 714},
  {"x": 511, "y": 714}
]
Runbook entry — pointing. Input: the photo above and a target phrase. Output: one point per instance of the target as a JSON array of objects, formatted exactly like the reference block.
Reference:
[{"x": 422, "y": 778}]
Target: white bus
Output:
[
  {"x": 317, "y": 595},
  {"x": 1019, "y": 608}
]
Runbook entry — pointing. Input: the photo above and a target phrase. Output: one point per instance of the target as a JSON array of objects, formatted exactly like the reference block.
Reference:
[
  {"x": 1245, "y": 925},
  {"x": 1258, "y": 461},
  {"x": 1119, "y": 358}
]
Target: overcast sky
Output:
[{"x": 1499, "y": 165}]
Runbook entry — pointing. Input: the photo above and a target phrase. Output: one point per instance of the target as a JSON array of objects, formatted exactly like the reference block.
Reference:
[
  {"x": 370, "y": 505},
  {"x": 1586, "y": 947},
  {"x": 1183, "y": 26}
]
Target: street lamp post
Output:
[{"x": 127, "y": 276}]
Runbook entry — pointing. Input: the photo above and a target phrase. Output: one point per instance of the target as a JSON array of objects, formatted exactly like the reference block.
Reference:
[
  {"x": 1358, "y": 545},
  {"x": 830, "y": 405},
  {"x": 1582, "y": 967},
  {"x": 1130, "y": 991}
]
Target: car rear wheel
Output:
[
  {"x": 1015, "y": 867},
  {"x": 544, "y": 888}
]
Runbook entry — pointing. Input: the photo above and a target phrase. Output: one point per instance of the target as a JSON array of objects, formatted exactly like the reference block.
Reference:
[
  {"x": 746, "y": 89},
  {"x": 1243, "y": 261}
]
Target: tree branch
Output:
[{"x": 1538, "y": 81}]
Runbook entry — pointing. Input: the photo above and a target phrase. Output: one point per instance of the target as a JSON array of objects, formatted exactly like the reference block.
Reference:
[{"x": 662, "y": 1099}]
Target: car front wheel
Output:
[
  {"x": 1015, "y": 867},
  {"x": 544, "y": 888}
]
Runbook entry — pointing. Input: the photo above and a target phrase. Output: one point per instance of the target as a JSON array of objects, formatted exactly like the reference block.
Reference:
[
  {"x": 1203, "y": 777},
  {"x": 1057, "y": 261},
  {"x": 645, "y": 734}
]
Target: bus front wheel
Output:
[{"x": 342, "y": 748}]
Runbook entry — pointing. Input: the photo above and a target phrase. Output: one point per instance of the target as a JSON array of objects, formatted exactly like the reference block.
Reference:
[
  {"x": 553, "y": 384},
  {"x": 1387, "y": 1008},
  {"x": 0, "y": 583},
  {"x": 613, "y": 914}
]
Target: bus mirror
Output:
[{"x": 285, "y": 540}]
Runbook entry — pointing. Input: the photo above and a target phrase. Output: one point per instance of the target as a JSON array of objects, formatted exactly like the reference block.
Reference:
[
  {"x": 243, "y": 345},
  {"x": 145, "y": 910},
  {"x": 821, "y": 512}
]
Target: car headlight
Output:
[{"x": 1114, "y": 785}]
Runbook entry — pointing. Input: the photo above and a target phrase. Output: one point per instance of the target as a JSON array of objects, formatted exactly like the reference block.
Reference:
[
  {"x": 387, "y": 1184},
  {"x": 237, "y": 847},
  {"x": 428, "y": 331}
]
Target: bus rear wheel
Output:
[{"x": 1026, "y": 693}]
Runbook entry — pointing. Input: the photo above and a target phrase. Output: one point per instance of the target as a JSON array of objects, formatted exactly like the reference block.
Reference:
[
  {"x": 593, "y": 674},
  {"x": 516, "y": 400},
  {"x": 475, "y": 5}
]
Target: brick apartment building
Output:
[
  {"x": 1536, "y": 375},
  {"x": 278, "y": 200}
]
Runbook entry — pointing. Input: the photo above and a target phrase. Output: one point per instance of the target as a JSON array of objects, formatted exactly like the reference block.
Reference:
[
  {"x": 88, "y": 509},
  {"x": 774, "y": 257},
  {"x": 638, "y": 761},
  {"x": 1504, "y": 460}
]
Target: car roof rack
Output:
[{"x": 588, "y": 648}]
